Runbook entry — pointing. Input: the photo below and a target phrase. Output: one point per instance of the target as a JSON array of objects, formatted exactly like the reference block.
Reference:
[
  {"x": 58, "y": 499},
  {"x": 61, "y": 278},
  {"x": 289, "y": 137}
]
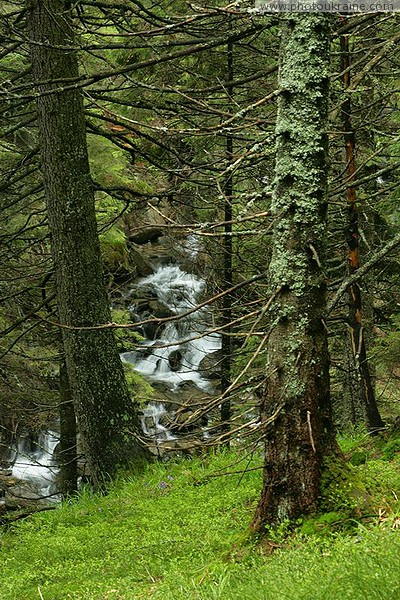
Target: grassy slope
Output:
[{"x": 174, "y": 534}]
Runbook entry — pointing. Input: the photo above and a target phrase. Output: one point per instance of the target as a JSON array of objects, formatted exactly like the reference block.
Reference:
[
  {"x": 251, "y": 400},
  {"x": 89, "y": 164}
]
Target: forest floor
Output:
[{"x": 179, "y": 532}]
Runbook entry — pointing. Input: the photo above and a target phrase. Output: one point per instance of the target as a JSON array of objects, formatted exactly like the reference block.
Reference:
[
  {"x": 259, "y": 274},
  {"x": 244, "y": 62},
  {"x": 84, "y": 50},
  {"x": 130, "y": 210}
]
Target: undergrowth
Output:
[{"x": 177, "y": 533}]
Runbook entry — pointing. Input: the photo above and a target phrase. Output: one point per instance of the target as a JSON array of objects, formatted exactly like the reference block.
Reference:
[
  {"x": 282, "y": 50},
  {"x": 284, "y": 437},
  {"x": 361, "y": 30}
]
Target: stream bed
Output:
[{"x": 172, "y": 357}]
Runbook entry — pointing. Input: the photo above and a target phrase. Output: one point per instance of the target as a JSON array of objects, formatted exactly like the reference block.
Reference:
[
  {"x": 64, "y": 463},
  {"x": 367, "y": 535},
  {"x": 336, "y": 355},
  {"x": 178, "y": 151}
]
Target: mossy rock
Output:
[
  {"x": 342, "y": 488},
  {"x": 114, "y": 249},
  {"x": 146, "y": 235}
]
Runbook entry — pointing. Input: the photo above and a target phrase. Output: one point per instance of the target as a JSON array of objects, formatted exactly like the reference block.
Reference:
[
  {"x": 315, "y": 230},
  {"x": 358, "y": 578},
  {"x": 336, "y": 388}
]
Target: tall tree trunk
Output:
[
  {"x": 8, "y": 438},
  {"x": 364, "y": 409},
  {"x": 107, "y": 418},
  {"x": 226, "y": 349},
  {"x": 67, "y": 458},
  {"x": 296, "y": 411}
]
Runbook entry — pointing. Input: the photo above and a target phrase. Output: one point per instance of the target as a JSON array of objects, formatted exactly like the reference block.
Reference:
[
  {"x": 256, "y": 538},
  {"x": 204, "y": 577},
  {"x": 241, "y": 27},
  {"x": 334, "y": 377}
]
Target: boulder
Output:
[
  {"x": 141, "y": 265},
  {"x": 145, "y": 235},
  {"x": 150, "y": 423},
  {"x": 160, "y": 310},
  {"x": 188, "y": 384},
  {"x": 210, "y": 365},
  {"x": 175, "y": 360},
  {"x": 182, "y": 422},
  {"x": 148, "y": 308}
]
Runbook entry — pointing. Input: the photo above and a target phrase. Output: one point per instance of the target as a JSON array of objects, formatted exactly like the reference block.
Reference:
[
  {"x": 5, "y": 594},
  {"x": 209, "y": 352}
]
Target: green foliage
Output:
[
  {"x": 388, "y": 347},
  {"x": 247, "y": 350},
  {"x": 138, "y": 387},
  {"x": 325, "y": 524},
  {"x": 114, "y": 249},
  {"x": 378, "y": 468},
  {"x": 382, "y": 481},
  {"x": 124, "y": 541},
  {"x": 176, "y": 533},
  {"x": 391, "y": 448},
  {"x": 280, "y": 533},
  {"x": 352, "y": 439},
  {"x": 358, "y": 457},
  {"x": 360, "y": 447},
  {"x": 342, "y": 488},
  {"x": 110, "y": 166},
  {"x": 127, "y": 341},
  {"x": 107, "y": 161}
]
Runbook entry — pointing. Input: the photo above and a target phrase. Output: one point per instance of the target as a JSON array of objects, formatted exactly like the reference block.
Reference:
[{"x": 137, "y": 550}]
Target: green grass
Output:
[{"x": 177, "y": 533}]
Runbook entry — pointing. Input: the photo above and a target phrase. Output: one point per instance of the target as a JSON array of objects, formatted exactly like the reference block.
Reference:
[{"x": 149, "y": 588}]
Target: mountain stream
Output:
[{"x": 170, "y": 355}]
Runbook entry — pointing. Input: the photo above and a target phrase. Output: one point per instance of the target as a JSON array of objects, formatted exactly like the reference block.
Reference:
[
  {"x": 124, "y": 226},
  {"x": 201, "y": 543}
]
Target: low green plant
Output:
[
  {"x": 326, "y": 524},
  {"x": 391, "y": 447},
  {"x": 127, "y": 338},
  {"x": 387, "y": 348},
  {"x": 353, "y": 439},
  {"x": 342, "y": 487},
  {"x": 177, "y": 533}
]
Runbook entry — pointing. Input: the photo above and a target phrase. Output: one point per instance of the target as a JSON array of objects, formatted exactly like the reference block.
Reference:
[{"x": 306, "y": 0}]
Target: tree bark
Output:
[
  {"x": 361, "y": 391},
  {"x": 107, "y": 418},
  {"x": 296, "y": 414},
  {"x": 227, "y": 247},
  {"x": 67, "y": 458}
]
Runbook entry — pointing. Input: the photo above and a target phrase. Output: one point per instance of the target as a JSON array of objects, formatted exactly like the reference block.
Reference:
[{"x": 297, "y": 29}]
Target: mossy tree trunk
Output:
[
  {"x": 296, "y": 410},
  {"x": 107, "y": 418}
]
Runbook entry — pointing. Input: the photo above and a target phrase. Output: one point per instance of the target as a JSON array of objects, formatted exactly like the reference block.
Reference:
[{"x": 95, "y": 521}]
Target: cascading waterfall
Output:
[
  {"x": 172, "y": 358},
  {"x": 151, "y": 423},
  {"x": 175, "y": 357},
  {"x": 36, "y": 466}
]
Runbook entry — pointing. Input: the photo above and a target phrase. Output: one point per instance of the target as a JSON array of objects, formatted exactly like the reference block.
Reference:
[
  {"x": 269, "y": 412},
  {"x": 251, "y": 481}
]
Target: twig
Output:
[
  {"x": 310, "y": 430},
  {"x": 161, "y": 319},
  {"x": 363, "y": 270}
]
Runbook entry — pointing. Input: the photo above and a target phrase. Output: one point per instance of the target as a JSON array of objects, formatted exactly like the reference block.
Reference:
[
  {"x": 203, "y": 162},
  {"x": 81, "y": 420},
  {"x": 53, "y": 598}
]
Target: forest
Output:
[{"x": 200, "y": 306}]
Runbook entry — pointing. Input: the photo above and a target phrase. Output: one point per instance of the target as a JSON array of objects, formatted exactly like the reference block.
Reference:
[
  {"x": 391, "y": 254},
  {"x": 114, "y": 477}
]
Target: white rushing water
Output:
[
  {"x": 175, "y": 356},
  {"x": 36, "y": 467},
  {"x": 151, "y": 423}
]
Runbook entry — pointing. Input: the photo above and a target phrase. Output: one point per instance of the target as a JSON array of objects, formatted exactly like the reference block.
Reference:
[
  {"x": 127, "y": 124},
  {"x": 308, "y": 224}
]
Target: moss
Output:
[
  {"x": 359, "y": 457},
  {"x": 114, "y": 249},
  {"x": 344, "y": 498},
  {"x": 138, "y": 387},
  {"x": 342, "y": 488},
  {"x": 391, "y": 448},
  {"x": 325, "y": 524},
  {"x": 127, "y": 339}
]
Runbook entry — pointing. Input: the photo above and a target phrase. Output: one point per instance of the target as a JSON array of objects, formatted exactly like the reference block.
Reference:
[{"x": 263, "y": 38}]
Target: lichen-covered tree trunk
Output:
[
  {"x": 296, "y": 411},
  {"x": 107, "y": 418}
]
